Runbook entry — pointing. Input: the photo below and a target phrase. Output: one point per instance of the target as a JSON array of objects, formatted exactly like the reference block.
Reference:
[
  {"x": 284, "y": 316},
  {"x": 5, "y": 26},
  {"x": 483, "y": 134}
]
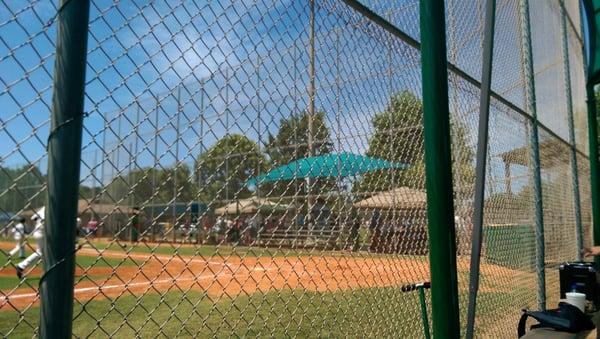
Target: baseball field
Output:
[{"x": 168, "y": 290}]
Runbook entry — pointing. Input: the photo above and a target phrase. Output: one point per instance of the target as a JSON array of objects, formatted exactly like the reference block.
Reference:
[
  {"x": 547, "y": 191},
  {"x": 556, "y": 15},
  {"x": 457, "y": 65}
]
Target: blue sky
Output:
[{"x": 240, "y": 67}]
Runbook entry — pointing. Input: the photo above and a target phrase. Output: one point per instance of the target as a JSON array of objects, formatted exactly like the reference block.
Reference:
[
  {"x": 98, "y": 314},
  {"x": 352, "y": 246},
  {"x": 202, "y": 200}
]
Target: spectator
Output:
[
  {"x": 270, "y": 225},
  {"x": 593, "y": 251},
  {"x": 252, "y": 230},
  {"x": 375, "y": 227},
  {"x": 92, "y": 227},
  {"x": 354, "y": 234},
  {"x": 233, "y": 232}
]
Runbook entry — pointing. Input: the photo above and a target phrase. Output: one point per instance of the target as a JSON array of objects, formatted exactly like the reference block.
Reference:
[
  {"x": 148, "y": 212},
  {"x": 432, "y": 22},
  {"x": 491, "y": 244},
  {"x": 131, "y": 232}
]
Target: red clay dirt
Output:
[{"x": 230, "y": 277}]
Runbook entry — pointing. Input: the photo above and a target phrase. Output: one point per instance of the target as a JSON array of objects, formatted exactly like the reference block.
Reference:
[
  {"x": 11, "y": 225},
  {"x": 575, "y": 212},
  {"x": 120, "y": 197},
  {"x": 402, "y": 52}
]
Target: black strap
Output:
[{"x": 522, "y": 322}]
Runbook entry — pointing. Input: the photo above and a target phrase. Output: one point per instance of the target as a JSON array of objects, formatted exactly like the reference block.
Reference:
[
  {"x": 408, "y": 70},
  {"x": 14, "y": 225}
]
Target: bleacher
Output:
[{"x": 302, "y": 238}]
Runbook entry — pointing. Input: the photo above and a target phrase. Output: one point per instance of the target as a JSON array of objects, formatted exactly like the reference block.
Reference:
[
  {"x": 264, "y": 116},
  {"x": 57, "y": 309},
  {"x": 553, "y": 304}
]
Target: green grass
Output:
[
  {"x": 8, "y": 283},
  {"x": 365, "y": 312},
  {"x": 84, "y": 262},
  {"x": 236, "y": 251},
  {"x": 203, "y": 250},
  {"x": 370, "y": 312}
]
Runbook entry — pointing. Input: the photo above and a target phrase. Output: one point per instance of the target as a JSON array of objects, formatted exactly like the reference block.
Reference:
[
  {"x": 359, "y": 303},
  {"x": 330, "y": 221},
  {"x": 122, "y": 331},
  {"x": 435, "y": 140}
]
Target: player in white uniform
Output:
[
  {"x": 18, "y": 232},
  {"x": 38, "y": 236}
]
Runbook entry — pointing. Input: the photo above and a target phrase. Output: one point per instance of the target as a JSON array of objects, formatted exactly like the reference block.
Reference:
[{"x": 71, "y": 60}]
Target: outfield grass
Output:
[
  {"x": 198, "y": 250},
  {"x": 373, "y": 312},
  {"x": 367, "y": 312},
  {"x": 236, "y": 251},
  {"x": 84, "y": 262}
]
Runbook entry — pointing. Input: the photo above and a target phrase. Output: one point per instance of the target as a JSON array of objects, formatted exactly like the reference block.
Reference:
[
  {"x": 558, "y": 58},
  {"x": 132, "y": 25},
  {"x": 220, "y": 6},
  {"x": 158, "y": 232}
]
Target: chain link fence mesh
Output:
[{"x": 223, "y": 184}]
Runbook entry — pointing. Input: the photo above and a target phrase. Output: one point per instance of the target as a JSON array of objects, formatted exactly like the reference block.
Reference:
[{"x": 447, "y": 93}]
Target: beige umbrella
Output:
[
  {"x": 251, "y": 205},
  {"x": 398, "y": 198}
]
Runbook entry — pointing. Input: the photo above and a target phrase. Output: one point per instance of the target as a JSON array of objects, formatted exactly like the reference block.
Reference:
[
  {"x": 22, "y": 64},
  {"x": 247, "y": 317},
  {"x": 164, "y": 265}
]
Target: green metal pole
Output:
[
  {"x": 593, "y": 141},
  {"x": 438, "y": 172},
  {"x": 481, "y": 160},
  {"x": 587, "y": 12},
  {"x": 424, "y": 317},
  {"x": 535, "y": 152},
  {"x": 64, "y": 155},
  {"x": 574, "y": 168}
]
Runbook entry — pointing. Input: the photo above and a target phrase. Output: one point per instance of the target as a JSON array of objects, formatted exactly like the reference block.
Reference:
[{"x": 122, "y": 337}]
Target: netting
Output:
[{"x": 256, "y": 168}]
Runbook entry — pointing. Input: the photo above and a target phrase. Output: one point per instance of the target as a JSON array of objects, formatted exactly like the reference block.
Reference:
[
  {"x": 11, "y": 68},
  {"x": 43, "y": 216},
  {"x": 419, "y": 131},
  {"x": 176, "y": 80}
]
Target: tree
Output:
[
  {"x": 151, "y": 185},
  {"x": 88, "y": 193},
  {"x": 463, "y": 160},
  {"x": 186, "y": 190},
  {"x": 398, "y": 137},
  {"x": 24, "y": 188},
  {"x": 21, "y": 188},
  {"x": 226, "y": 166},
  {"x": 291, "y": 143}
]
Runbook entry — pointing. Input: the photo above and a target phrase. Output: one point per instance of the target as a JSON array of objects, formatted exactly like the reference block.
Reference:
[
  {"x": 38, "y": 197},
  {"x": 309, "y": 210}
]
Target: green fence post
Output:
[
  {"x": 64, "y": 155},
  {"x": 593, "y": 141},
  {"x": 535, "y": 152},
  {"x": 588, "y": 12},
  {"x": 568, "y": 92},
  {"x": 438, "y": 172}
]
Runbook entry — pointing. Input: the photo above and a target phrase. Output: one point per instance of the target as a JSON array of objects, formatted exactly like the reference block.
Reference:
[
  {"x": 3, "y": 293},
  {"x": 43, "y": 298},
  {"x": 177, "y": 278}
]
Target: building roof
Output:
[{"x": 402, "y": 198}]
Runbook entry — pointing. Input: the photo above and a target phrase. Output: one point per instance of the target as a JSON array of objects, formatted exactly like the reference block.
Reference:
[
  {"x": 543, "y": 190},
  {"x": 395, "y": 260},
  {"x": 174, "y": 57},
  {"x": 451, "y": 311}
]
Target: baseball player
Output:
[
  {"x": 18, "y": 232},
  {"x": 135, "y": 225},
  {"x": 78, "y": 231},
  {"x": 38, "y": 236}
]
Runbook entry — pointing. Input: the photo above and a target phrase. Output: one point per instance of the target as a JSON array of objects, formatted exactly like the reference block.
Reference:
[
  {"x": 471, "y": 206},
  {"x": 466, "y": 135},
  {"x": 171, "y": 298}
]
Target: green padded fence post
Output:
[
  {"x": 589, "y": 14},
  {"x": 535, "y": 153},
  {"x": 64, "y": 155},
  {"x": 438, "y": 172},
  {"x": 593, "y": 141},
  {"x": 568, "y": 93}
]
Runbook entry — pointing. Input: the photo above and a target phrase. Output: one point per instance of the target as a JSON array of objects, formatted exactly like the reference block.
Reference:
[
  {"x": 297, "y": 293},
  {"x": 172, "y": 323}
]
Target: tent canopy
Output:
[
  {"x": 401, "y": 198},
  {"x": 252, "y": 205},
  {"x": 330, "y": 165}
]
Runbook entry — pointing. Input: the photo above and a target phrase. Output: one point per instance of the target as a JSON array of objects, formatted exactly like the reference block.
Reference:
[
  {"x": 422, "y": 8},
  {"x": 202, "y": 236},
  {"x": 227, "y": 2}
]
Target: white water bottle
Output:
[{"x": 576, "y": 299}]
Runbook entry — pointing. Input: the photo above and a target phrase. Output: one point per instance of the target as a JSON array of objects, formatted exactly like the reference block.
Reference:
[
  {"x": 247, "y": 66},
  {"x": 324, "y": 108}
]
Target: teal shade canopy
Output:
[{"x": 331, "y": 165}]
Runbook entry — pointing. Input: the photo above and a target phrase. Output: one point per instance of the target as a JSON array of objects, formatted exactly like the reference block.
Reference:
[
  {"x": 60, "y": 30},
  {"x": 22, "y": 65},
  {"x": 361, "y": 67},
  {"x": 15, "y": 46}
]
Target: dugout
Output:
[{"x": 397, "y": 221}]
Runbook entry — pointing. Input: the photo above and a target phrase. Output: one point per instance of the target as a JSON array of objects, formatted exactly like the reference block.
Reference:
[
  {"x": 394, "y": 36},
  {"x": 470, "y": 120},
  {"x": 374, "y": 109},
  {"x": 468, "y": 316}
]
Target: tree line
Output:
[{"x": 221, "y": 172}]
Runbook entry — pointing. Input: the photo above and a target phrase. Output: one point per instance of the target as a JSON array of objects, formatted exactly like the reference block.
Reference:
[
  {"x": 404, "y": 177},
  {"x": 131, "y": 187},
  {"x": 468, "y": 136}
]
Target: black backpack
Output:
[{"x": 566, "y": 318}]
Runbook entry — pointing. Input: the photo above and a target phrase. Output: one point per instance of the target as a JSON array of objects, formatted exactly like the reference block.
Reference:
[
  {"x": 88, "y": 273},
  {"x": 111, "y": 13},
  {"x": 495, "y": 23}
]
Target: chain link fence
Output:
[{"x": 256, "y": 168}]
